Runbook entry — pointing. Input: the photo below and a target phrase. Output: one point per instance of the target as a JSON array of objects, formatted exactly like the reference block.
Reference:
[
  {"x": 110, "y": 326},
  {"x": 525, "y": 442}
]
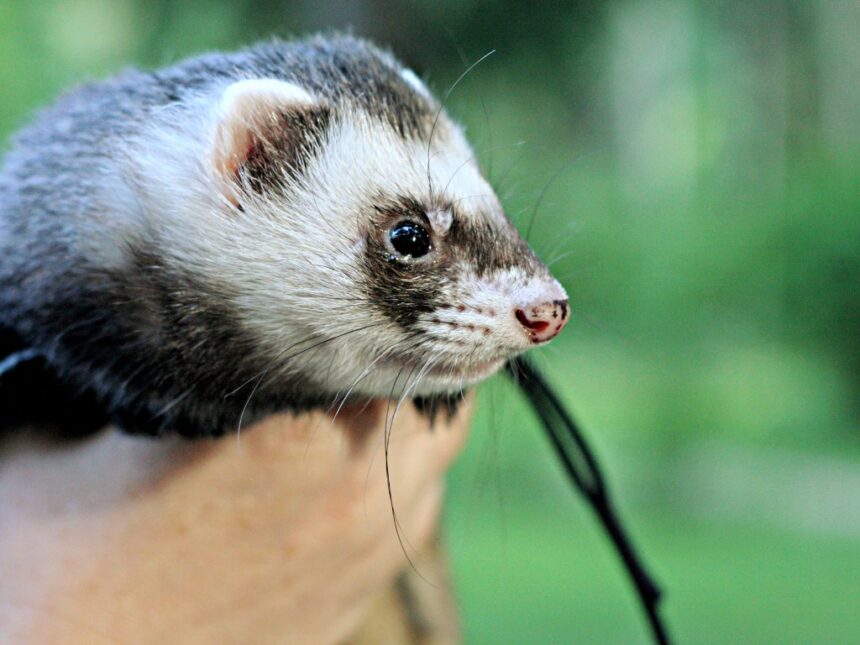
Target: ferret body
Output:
[{"x": 276, "y": 229}]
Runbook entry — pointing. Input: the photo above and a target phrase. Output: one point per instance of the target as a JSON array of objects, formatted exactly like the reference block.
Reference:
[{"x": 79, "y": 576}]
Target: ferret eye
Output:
[{"x": 410, "y": 239}]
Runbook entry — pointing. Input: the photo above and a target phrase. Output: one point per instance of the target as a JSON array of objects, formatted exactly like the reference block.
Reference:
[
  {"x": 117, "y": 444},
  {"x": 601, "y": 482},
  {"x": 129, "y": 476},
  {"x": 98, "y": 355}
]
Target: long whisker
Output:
[
  {"x": 361, "y": 377},
  {"x": 386, "y": 434},
  {"x": 280, "y": 359},
  {"x": 500, "y": 182},
  {"x": 486, "y": 112},
  {"x": 470, "y": 158},
  {"x": 565, "y": 166},
  {"x": 398, "y": 529},
  {"x": 245, "y": 407},
  {"x": 468, "y": 70},
  {"x": 541, "y": 196},
  {"x": 385, "y": 444},
  {"x": 559, "y": 258},
  {"x": 441, "y": 107}
]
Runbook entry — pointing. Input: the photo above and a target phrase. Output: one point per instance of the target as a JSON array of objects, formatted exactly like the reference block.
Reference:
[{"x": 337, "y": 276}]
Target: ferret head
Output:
[{"x": 361, "y": 244}]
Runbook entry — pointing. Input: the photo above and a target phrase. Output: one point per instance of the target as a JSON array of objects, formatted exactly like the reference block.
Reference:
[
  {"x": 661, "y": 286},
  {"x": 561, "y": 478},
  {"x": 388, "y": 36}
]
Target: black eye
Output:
[{"x": 410, "y": 239}]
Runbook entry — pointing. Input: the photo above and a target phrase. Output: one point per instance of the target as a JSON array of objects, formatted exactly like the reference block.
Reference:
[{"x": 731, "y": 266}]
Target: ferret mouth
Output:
[
  {"x": 468, "y": 371},
  {"x": 449, "y": 371}
]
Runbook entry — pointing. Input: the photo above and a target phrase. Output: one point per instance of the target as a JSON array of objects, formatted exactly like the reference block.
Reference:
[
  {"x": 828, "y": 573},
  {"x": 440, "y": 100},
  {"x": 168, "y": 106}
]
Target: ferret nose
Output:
[{"x": 543, "y": 320}]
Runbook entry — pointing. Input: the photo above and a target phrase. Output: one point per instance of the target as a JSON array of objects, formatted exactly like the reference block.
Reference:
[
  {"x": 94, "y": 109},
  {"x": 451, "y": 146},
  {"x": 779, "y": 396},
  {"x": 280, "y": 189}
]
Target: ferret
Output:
[{"x": 274, "y": 229}]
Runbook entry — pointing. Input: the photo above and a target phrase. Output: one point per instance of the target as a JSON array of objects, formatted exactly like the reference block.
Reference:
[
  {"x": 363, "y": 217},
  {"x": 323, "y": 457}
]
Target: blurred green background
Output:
[{"x": 692, "y": 172}]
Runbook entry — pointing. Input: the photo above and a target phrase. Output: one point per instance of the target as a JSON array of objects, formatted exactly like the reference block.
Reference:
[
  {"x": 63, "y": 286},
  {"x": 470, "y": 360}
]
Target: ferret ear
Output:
[{"x": 263, "y": 129}]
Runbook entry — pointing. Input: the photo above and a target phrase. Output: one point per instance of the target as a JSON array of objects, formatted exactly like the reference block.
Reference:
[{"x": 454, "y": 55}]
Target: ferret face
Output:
[
  {"x": 351, "y": 229},
  {"x": 367, "y": 251}
]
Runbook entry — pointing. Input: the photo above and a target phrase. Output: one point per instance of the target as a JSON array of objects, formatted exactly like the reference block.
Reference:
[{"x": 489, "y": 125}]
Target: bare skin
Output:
[{"x": 283, "y": 534}]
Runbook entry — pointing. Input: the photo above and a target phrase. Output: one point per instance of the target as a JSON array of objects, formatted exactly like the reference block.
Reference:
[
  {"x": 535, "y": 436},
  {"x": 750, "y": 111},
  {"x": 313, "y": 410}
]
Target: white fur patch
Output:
[
  {"x": 414, "y": 82},
  {"x": 253, "y": 93}
]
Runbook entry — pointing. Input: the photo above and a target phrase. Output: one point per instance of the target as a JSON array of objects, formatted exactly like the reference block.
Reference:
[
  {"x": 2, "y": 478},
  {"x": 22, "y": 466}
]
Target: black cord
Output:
[{"x": 584, "y": 472}]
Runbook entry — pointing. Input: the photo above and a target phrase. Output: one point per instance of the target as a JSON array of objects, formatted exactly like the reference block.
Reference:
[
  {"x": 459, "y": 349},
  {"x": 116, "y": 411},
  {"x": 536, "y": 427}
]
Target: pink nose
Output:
[{"x": 543, "y": 320}]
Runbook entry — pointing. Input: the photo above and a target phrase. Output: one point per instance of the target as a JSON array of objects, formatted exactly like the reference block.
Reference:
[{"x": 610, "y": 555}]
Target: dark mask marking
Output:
[
  {"x": 400, "y": 290},
  {"x": 404, "y": 290},
  {"x": 490, "y": 247}
]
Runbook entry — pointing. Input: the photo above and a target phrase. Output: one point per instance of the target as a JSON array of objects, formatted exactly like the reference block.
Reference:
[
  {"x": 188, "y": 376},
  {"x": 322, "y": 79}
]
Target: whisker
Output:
[
  {"x": 245, "y": 407},
  {"x": 280, "y": 358},
  {"x": 565, "y": 166},
  {"x": 401, "y": 536},
  {"x": 360, "y": 378},
  {"x": 522, "y": 153},
  {"x": 486, "y": 113},
  {"x": 559, "y": 258},
  {"x": 442, "y": 106},
  {"x": 471, "y": 158}
]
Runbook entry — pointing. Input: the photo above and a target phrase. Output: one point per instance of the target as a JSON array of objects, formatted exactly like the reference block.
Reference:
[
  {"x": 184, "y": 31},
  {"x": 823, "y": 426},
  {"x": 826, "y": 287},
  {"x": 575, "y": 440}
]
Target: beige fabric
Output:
[
  {"x": 417, "y": 609},
  {"x": 281, "y": 535}
]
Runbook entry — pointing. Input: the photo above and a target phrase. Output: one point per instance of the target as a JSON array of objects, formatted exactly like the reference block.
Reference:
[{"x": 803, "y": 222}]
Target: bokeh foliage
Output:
[{"x": 691, "y": 171}]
